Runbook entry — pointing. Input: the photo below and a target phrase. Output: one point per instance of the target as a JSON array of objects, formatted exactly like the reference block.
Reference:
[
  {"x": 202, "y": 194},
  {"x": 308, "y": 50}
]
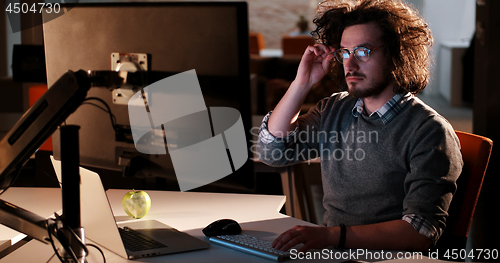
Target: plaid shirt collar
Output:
[{"x": 386, "y": 112}]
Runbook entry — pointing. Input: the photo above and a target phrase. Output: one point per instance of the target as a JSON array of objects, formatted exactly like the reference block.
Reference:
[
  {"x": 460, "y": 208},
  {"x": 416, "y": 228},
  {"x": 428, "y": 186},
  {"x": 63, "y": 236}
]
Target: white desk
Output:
[
  {"x": 186, "y": 211},
  {"x": 29, "y": 199},
  {"x": 189, "y": 212}
]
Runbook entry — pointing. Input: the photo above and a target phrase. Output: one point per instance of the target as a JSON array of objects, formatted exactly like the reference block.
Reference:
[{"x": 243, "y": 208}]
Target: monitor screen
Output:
[{"x": 209, "y": 37}]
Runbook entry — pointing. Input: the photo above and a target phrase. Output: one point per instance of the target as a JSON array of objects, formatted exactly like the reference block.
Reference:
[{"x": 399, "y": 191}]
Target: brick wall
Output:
[{"x": 275, "y": 18}]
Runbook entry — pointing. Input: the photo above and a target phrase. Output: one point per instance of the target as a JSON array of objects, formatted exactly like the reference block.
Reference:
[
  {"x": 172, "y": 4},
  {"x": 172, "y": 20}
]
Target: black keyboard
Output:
[{"x": 135, "y": 241}]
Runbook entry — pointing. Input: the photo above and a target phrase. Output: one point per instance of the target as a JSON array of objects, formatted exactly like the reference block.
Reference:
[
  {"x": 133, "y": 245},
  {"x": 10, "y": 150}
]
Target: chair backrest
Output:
[
  {"x": 34, "y": 93},
  {"x": 295, "y": 45},
  {"x": 476, "y": 152},
  {"x": 256, "y": 42}
]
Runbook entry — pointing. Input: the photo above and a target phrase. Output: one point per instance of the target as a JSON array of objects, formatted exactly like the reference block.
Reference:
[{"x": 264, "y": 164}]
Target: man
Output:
[{"x": 389, "y": 162}]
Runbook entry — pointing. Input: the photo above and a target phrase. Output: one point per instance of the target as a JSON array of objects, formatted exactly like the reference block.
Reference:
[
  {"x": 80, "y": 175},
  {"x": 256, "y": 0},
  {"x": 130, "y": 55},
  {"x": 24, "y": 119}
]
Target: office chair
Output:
[
  {"x": 34, "y": 93},
  {"x": 295, "y": 45},
  {"x": 476, "y": 152},
  {"x": 256, "y": 42}
]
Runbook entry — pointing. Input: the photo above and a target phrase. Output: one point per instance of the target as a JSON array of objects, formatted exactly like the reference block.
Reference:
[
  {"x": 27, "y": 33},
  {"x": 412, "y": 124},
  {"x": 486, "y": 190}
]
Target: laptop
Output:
[{"x": 100, "y": 225}]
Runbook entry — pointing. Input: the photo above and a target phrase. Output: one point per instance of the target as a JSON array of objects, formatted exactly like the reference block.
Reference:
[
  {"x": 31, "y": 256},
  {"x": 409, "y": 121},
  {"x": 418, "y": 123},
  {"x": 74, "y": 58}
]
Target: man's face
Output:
[{"x": 365, "y": 79}]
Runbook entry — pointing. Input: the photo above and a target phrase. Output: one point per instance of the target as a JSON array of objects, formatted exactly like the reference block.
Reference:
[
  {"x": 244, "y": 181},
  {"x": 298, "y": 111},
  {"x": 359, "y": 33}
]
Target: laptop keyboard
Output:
[{"x": 135, "y": 241}]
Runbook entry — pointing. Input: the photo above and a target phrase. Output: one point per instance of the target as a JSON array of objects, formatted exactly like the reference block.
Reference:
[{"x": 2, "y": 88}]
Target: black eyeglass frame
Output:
[{"x": 337, "y": 53}]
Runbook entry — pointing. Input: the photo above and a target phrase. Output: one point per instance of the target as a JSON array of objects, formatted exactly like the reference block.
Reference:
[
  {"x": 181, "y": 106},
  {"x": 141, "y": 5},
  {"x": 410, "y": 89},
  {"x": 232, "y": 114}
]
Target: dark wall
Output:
[{"x": 485, "y": 229}]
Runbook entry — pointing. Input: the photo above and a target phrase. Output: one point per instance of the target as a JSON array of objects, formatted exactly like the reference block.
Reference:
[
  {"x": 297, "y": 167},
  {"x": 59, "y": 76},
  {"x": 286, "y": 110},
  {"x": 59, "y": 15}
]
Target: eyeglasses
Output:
[{"x": 362, "y": 54}]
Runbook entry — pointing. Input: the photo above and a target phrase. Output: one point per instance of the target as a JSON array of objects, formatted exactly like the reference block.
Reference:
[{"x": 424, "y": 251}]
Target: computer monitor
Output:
[{"x": 210, "y": 37}]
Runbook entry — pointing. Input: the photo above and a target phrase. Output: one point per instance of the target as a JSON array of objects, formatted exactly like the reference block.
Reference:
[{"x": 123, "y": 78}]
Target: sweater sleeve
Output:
[
  {"x": 298, "y": 146},
  {"x": 435, "y": 165}
]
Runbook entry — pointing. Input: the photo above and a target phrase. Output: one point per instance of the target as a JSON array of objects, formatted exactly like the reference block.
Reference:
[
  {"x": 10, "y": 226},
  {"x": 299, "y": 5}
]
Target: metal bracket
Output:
[{"x": 124, "y": 63}]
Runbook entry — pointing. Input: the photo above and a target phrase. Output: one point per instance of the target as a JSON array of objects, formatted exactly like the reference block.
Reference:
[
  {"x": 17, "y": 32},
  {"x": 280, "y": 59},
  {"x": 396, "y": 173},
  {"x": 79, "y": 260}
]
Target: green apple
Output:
[{"x": 136, "y": 203}]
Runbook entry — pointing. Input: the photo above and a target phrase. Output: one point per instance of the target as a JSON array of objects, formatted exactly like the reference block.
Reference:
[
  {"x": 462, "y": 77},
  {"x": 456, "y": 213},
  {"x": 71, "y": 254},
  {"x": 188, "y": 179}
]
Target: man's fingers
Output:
[
  {"x": 320, "y": 50},
  {"x": 285, "y": 238},
  {"x": 325, "y": 50},
  {"x": 327, "y": 60},
  {"x": 277, "y": 241},
  {"x": 299, "y": 239},
  {"x": 282, "y": 239},
  {"x": 310, "y": 237},
  {"x": 289, "y": 238}
]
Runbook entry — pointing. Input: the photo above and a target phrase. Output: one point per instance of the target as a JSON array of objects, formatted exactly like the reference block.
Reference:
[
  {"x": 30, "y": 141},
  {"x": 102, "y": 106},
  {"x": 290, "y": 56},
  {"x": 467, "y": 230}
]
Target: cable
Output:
[
  {"x": 107, "y": 109},
  {"x": 99, "y": 249},
  {"x": 50, "y": 258},
  {"x": 52, "y": 230},
  {"x": 54, "y": 227}
]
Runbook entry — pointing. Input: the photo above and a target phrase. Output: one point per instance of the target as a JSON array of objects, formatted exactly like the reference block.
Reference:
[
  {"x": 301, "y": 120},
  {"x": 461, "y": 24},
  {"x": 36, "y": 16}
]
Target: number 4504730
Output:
[
  {"x": 487, "y": 254},
  {"x": 25, "y": 8}
]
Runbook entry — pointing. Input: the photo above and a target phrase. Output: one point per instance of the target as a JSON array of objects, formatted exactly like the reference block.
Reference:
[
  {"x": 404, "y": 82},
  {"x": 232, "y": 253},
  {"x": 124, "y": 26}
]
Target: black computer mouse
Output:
[{"x": 222, "y": 227}]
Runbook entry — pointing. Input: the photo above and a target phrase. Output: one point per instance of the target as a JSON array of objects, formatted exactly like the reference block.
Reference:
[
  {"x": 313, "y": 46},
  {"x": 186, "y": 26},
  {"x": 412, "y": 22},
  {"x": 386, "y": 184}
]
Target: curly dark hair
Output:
[{"x": 406, "y": 37}]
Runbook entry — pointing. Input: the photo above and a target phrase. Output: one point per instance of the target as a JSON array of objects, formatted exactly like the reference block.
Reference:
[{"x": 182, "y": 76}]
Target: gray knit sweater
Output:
[{"x": 374, "y": 171}]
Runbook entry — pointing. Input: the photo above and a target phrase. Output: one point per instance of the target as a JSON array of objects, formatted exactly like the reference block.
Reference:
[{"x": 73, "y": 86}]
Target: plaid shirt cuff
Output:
[
  {"x": 423, "y": 226},
  {"x": 266, "y": 137}
]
